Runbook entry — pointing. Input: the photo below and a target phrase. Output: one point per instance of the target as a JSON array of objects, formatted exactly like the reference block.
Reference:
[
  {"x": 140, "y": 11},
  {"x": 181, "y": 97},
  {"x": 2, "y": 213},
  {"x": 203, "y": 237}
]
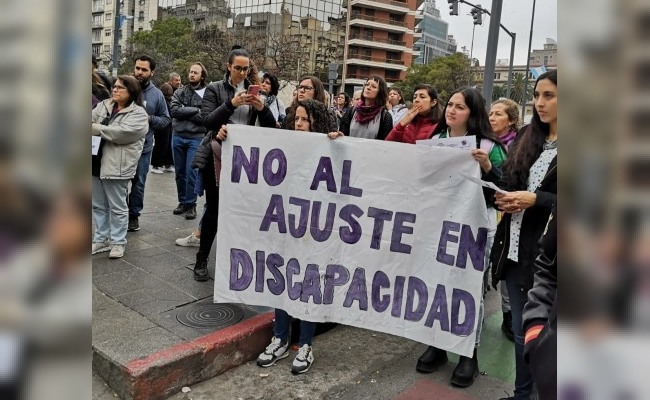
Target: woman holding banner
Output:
[
  {"x": 368, "y": 118},
  {"x": 465, "y": 114},
  {"x": 309, "y": 116},
  {"x": 530, "y": 177}
]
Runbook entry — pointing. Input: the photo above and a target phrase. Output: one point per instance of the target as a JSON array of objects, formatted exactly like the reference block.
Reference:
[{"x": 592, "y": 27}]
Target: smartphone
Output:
[{"x": 254, "y": 90}]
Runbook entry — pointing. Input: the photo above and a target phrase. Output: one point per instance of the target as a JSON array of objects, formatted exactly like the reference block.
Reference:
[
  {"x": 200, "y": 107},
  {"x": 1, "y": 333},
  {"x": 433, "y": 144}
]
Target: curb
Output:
[{"x": 165, "y": 372}]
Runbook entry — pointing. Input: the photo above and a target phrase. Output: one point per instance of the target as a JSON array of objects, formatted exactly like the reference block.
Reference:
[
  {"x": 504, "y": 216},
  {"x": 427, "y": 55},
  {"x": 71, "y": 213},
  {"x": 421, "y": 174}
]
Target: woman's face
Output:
[
  {"x": 457, "y": 114},
  {"x": 238, "y": 69},
  {"x": 120, "y": 94},
  {"x": 499, "y": 120},
  {"x": 394, "y": 97},
  {"x": 545, "y": 96},
  {"x": 302, "y": 122},
  {"x": 340, "y": 100},
  {"x": 266, "y": 86},
  {"x": 421, "y": 97},
  {"x": 371, "y": 90},
  {"x": 306, "y": 90}
]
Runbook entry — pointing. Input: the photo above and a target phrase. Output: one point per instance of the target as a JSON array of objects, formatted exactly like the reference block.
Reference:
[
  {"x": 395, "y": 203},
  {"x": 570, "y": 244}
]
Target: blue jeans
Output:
[
  {"x": 183, "y": 150},
  {"x": 110, "y": 212},
  {"x": 136, "y": 197},
  {"x": 283, "y": 322},
  {"x": 518, "y": 298}
]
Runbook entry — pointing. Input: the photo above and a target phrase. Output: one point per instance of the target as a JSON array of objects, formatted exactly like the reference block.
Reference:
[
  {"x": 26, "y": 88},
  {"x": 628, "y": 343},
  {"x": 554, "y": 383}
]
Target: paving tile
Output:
[
  {"x": 140, "y": 344},
  {"x": 148, "y": 302},
  {"x": 101, "y": 301},
  {"x": 125, "y": 282},
  {"x": 117, "y": 322},
  {"x": 159, "y": 265},
  {"x": 426, "y": 389},
  {"x": 105, "y": 265}
]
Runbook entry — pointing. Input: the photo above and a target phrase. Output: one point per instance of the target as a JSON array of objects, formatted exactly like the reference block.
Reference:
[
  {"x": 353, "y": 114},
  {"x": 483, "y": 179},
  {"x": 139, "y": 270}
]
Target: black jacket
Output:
[
  {"x": 532, "y": 227},
  {"x": 216, "y": 108},
  {"x": 541, "y": 311},
  {"x": 385, "y": 125},
  {"x": 185, "y": 109}
]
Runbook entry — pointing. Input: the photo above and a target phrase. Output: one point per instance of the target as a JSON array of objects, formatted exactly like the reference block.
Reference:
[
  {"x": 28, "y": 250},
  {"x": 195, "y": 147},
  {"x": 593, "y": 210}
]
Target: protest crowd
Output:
[{"x": 180, "y": 128}]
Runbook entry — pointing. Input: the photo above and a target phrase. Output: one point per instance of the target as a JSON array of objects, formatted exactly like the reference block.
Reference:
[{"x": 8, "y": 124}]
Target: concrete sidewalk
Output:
[{"x": 144, "y": 347}]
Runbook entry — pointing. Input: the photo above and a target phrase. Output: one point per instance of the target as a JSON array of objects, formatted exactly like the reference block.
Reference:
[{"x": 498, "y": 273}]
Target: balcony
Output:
[
  {"x": 379, "y": 62},
  {"x": 378, "y": 23},
  {"x": 97, "y": 25},
  {"x": 362, "y": 79},
  {"x": 98, "y": 9},
  {"x": 388, "y": 44},
  {"x": 397, "y": 7}
]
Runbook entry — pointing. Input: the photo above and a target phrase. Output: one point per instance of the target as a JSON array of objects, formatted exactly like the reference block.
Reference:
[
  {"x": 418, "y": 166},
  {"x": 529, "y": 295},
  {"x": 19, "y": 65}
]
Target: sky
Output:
[{"x": 515, "y": 16}]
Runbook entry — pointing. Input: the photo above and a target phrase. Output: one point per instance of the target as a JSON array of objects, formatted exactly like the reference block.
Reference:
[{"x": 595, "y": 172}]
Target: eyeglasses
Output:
[
  {"x": 240, "y": 69},
  {"x": 305, "y": 88},
  {"x": 118, "y": 87}
]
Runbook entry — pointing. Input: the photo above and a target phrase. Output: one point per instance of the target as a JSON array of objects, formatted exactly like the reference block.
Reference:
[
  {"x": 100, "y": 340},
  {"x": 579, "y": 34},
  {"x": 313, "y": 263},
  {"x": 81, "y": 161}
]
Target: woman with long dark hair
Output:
[
  {"x": 121, "y": 122},
  {"x": 368, "y": 118},
  {"x": 465, "y": 114},
  {"x": 421, "y": 120},
  {"x": 530, "y": 177}
]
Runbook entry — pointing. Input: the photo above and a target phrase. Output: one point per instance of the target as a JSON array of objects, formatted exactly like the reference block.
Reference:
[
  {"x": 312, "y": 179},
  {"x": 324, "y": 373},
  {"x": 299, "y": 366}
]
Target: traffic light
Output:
[
  {"x": 477, "y": 14},
  {"x": 453, "y": 7}
]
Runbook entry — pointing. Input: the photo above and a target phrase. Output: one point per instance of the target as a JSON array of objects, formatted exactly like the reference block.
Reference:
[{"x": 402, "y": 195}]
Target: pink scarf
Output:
[{"x": 364, "y": 113}]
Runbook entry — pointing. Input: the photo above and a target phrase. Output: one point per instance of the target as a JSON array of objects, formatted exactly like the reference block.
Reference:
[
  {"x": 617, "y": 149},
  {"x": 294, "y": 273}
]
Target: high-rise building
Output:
[
  {"x": 202, "y": 13},
  {"x": 546, "y": 56},
  {"x": 137, "y": 16},
  {"x": 379, "y": 41},
  {"x": 432, "y": 37}
]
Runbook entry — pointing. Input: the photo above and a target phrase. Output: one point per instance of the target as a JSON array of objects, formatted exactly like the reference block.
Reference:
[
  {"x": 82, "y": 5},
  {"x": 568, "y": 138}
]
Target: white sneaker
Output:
[
  {"x": 169, "y": 169},
  {"x": 156, "y": 170},
  {"x": 190, "y": 241},
  {"x": 101, "y": 247},
  {"x": 303, "y": 360},
  {"x": 117, "y": 251},
  {"x": 274, "y": 352}
]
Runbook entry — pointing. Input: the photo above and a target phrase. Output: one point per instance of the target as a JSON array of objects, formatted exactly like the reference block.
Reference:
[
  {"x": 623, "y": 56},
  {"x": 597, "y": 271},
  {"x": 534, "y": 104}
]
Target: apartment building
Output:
[
  {"x": 137, "y": 16},
  {"x": 545, "y": 56},
  {"x": 379, "y": 41}
]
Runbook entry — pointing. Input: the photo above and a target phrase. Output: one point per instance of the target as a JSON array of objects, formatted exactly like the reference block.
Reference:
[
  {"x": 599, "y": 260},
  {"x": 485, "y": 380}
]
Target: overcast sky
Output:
[{"x": 515, "y": 16}]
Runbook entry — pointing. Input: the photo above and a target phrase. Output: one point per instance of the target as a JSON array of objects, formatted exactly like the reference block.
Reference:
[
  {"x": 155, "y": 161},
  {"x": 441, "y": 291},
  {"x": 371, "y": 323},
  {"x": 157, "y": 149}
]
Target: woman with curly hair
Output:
[{"x": 312, "y": 116}]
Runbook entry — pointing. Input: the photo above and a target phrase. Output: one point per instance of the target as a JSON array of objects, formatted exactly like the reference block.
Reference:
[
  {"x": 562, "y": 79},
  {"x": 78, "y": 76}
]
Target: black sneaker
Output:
[
  {"x": 181, "y": 209},
  {"x": 201, "y": 268},
  {"x": 191, "y": 212},
  {"x": 134, "y": 224}
]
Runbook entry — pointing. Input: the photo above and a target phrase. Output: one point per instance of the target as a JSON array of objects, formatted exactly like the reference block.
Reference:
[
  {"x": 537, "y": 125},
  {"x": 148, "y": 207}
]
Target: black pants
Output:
[
  {"x": 162, "y": 150},
  {"x": 211, "y": 216}
]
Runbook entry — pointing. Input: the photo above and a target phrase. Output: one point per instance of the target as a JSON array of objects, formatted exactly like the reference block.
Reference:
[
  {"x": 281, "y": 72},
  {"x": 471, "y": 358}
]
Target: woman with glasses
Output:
[
  {"x": 368, "y": 118},
  {"x": 224, "y": 102},
  {"x": 121, "y": 122},
  {"x": 312, "y": 88}
]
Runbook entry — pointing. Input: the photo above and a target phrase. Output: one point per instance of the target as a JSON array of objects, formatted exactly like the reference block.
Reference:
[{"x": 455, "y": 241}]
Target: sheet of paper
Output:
[
  {"x": 462, "y": 142},
  {"x": 96, "y": 141},
  {"x": 483, "y": 183}
]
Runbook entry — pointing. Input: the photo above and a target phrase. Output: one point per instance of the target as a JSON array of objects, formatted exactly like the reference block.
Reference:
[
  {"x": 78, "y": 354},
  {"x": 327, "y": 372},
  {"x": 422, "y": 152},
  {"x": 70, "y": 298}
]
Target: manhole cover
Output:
[{"x": 210, "y": 315}]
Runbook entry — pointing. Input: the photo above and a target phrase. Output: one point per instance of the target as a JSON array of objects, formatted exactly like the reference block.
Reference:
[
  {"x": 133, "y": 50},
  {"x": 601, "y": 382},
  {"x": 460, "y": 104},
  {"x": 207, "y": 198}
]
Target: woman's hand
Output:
[
  {"x": 239, "y": 99},
  {"x": 410, "y": 115},
  {"x": 334, "y": 135},
  {"x": 483, "y": 159},
  {"x": 223, "y": 133},
  {"x": 255, "y": 102},
  {"x": 515, "y": 202}
]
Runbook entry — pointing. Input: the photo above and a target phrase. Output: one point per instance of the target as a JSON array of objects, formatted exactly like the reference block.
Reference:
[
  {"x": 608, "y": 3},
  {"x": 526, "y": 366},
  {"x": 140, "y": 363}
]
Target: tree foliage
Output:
[{"x": 446, "y": 74}]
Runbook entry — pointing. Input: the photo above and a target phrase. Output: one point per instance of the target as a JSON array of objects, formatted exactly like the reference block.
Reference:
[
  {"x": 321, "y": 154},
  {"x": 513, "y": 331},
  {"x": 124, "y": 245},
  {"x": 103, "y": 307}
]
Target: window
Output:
[
  {"x": 97, "y": 36},
  {"x": 141, "y": 16},
  {"x": 108, "y": 17},
  {"x": 370, "y": 12},
  {"x": 107, "y": 32},
  {"x": 356, "y": 31},
  {"x": 393, "y": 55},
  {"x": 364, "y": 72},
  {"x": 367, "y": 33},
  {"x": 107, "y": 48},
  {"x": 96, "y": 49},
  {"x": 367, "y": 52},
  {"x": 397, "y": 17},
  {"x": 394, "y": 37}
]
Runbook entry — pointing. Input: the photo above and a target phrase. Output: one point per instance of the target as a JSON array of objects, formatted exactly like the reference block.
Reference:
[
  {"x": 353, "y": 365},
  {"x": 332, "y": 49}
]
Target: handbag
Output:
[{"x": 215, "y": 147}]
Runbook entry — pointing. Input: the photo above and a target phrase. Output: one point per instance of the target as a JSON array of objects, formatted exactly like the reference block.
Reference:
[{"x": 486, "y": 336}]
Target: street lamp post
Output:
[
  {"x": 119, "y": 20},
  {"x": 530, "y": 43}
]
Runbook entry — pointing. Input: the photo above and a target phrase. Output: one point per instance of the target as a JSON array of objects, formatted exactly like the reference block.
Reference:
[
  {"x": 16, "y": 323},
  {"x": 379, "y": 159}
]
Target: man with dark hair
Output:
[
  {"x": 188, "y": 132},
  {"x": 154, "y": 104}
]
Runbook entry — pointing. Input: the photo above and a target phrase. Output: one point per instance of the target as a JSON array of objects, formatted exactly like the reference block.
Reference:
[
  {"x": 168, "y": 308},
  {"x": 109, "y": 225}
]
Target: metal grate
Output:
[{"x": 212, "y": 316}]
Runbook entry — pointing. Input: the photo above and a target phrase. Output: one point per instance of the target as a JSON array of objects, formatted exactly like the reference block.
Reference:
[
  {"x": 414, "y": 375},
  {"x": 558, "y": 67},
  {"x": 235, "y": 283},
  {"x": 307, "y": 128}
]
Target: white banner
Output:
[{"x": 378, "y": 235}]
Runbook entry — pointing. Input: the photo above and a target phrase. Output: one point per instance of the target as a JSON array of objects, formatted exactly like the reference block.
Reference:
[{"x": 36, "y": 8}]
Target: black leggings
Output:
[{"x": 211, "y": 216}]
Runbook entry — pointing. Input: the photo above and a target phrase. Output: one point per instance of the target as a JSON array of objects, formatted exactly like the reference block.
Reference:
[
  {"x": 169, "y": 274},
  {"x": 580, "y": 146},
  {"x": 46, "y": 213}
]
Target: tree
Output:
[
  {"x": 517, "y": 89},
  {"x": 170, "y": 42},
  {"x": 498, "y": 91},
  {"x": 446, "y": 74}
]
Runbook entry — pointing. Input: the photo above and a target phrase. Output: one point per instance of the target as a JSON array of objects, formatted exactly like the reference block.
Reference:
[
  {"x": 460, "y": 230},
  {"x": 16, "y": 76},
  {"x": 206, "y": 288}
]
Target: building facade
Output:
[
  {"x": 546, "y": 56},
  {"x": 137, "y": 14},
  {"x": 432, "y": 37}
]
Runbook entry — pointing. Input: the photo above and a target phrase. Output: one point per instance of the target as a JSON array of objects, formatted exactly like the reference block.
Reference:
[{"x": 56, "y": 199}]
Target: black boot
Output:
[
  {"x": 466, "y": 371},
  {"x": 201, "y": 268},
  {"x": 431, "y": 360},
  {"x": 506, "y": 326}
]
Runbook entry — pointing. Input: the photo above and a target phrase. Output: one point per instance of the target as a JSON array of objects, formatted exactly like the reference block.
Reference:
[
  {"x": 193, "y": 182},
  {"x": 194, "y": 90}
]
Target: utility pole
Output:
[
  {"x": 530, "y": 43},
  {"x": 116, "y": 37},
  {"x": 512, "y": 58},
  {"x": 471, "y": 60},
  {"x": 491, "y": 53}
]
